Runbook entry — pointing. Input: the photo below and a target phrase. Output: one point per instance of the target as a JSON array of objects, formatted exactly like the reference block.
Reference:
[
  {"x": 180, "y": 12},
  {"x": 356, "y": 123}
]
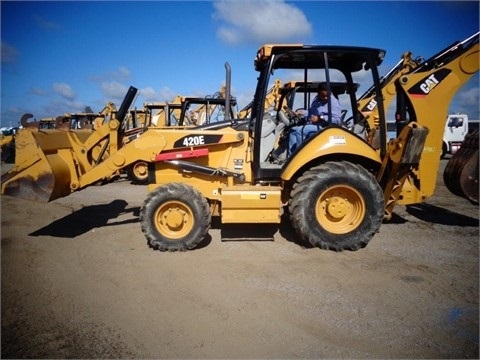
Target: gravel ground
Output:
[{"x": 79, "y": 281}]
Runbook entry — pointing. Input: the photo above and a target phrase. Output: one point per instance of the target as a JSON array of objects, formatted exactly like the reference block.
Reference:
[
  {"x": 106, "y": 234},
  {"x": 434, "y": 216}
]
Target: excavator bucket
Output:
[
  {"x": 49, "y": 163},
  {"x": 461, "y": 173},
  {"x": 39, "y": 174}
]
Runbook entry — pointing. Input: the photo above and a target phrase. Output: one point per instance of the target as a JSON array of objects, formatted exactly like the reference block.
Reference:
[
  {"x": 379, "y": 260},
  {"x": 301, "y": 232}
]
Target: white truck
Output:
[{"x": 456, "y": 128}]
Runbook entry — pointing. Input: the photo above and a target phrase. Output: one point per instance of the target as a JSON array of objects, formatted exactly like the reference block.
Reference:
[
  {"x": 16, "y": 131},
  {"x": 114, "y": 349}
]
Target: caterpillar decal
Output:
[{"x": 427, "y": 84}]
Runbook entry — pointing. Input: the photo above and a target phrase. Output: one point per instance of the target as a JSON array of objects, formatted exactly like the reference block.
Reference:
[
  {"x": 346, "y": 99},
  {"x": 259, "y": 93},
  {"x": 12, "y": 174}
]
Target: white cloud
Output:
[
  {"x": 57, "y": 107},
  {"x": 123, "y": 72},
  {"x": 120, "y": 74},
  {"x": 114, "y": 90},
  {"x": 260, "y": 21},
  {"x": 9, "y": 53},
  {"x": 149, "y": 94},
  {"x": 64, "y": 90},
  {"x": 166, "y": 94},
  {"x": 467, "y": 102},
  {"x": 38, "y": 91},
  {"x": 469, "y": 97}
]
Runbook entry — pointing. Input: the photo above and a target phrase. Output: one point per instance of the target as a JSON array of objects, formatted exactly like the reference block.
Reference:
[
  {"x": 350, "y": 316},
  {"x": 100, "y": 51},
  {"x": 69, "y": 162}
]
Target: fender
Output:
[{"x": 333, "y": 140}]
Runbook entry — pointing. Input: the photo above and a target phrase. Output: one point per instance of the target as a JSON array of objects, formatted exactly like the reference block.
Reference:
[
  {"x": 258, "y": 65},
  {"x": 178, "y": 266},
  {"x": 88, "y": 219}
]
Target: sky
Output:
[{"x": 60, "y": 56}]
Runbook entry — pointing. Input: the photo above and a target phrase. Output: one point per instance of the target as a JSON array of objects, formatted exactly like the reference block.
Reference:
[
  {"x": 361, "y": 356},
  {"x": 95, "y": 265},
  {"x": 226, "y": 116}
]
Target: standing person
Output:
[{"x": 316, "y": 116}]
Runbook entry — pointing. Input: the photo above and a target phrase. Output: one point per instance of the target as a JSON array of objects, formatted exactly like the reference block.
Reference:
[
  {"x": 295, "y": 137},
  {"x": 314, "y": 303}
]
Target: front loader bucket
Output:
[
  {"x": 461, "y": 173},
  {"x": 40, "y": 173},
  {"x": 50, "y": 163}
]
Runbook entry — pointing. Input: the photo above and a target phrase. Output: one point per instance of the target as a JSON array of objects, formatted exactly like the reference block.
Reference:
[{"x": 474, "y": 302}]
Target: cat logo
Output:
[
  {"x": 427, "y": 84},
  {"x": 372, "y": 104}
]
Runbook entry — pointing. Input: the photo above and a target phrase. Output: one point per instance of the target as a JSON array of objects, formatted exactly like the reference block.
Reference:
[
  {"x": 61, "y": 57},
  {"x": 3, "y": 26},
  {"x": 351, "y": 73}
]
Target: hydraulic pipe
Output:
[{"x": 192, "y": 167}]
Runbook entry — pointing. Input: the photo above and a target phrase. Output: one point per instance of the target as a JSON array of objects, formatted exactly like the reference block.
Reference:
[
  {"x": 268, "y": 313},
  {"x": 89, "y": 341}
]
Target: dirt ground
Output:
[{"x": 79, "y": 281}]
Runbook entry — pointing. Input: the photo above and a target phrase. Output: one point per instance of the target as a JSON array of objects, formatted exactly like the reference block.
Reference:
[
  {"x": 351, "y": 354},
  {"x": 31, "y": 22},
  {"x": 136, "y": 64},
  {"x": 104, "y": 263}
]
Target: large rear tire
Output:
[
  {"x": 444, "y": 150},
  {"x": 337, "y": 206},
  {"x": 175, "y": 217}
]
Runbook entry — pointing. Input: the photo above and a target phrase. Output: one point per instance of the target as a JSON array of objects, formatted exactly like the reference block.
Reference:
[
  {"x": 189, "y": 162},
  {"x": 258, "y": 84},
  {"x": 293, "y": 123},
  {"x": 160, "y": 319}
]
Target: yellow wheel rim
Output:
[
  {"x": 140, "y": 170},
  {"x": 340, "y": 209},
  {"x": 174, "y": 220}
]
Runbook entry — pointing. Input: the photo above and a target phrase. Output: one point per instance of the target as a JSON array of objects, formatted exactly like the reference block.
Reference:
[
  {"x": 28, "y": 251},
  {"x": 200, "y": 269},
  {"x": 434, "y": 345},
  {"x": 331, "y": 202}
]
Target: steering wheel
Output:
[
  {"x": 292, "y": 116},
  {"x": 348, "y": 123}
]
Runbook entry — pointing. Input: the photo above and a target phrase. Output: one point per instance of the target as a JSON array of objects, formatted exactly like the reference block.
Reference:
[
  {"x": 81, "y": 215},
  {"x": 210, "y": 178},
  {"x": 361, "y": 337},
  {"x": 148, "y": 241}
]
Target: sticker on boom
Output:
[
  {"x": 372, "y": 104},
  {"x": 197, "y": 140},
  {"x": 427, "y": 84}
]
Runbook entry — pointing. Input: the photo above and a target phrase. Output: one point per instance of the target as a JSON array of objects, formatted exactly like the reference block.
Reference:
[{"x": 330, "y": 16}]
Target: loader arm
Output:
[{"x": 53, "y": 164}]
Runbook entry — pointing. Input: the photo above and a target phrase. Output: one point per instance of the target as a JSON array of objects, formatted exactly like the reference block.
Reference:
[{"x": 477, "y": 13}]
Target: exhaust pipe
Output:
[
  {"x": 126, "y": 103},
  {"x": 227, "y": 91}
]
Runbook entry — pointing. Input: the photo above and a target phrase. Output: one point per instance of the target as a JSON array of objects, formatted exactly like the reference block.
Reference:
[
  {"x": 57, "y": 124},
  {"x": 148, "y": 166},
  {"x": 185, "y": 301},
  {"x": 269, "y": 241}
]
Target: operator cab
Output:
[
  {"x": 343, "y": 69},
  {"x": 298, "y": 95},
  {"x": 294, "y": 95}
]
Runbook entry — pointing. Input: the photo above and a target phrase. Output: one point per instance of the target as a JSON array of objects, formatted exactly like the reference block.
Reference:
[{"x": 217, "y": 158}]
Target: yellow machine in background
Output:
[
  {"x": 7, "y": 144},
  {"x": 72, "y": 121},
  {"x": 367, "y": 103},
  {"x": 82, "y": 123},
  {"x": 271, "y": 100},
  {"x": 181, "y": 112},
  {"x": 337, "y": 187}
]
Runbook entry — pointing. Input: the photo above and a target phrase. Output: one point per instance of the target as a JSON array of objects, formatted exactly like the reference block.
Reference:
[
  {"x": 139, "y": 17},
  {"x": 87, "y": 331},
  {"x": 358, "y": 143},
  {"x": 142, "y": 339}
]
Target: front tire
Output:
[
  {"x": 337, "y": 206},
  {"x": 175, "y": 217},
  {"x": 138, "y": 173}
]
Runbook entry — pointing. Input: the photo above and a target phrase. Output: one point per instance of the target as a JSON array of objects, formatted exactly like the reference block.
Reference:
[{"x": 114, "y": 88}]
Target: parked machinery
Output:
[
  {"x": 182, "y": 112},
  {"x": 461, "y": 173}
]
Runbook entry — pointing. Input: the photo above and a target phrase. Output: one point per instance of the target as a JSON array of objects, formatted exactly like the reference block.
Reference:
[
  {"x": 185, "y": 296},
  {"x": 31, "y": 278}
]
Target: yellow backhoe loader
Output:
[
  {"x": 336, "y": 187},
  {"x": 87, "y": 120}
]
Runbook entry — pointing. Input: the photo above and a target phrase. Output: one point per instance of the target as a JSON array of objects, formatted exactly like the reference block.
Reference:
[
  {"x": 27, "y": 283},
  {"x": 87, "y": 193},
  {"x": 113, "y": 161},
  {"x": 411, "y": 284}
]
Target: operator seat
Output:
[{"x": 268, "y": 136}]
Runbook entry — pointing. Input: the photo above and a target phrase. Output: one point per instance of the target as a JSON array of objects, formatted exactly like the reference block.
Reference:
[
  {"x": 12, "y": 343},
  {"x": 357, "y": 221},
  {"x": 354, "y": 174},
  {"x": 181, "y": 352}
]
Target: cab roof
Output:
[{"x": 298, "y": 56}]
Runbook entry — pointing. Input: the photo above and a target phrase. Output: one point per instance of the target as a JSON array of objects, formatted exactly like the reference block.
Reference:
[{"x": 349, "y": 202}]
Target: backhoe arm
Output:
[{"x": 426, "y": 94}]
